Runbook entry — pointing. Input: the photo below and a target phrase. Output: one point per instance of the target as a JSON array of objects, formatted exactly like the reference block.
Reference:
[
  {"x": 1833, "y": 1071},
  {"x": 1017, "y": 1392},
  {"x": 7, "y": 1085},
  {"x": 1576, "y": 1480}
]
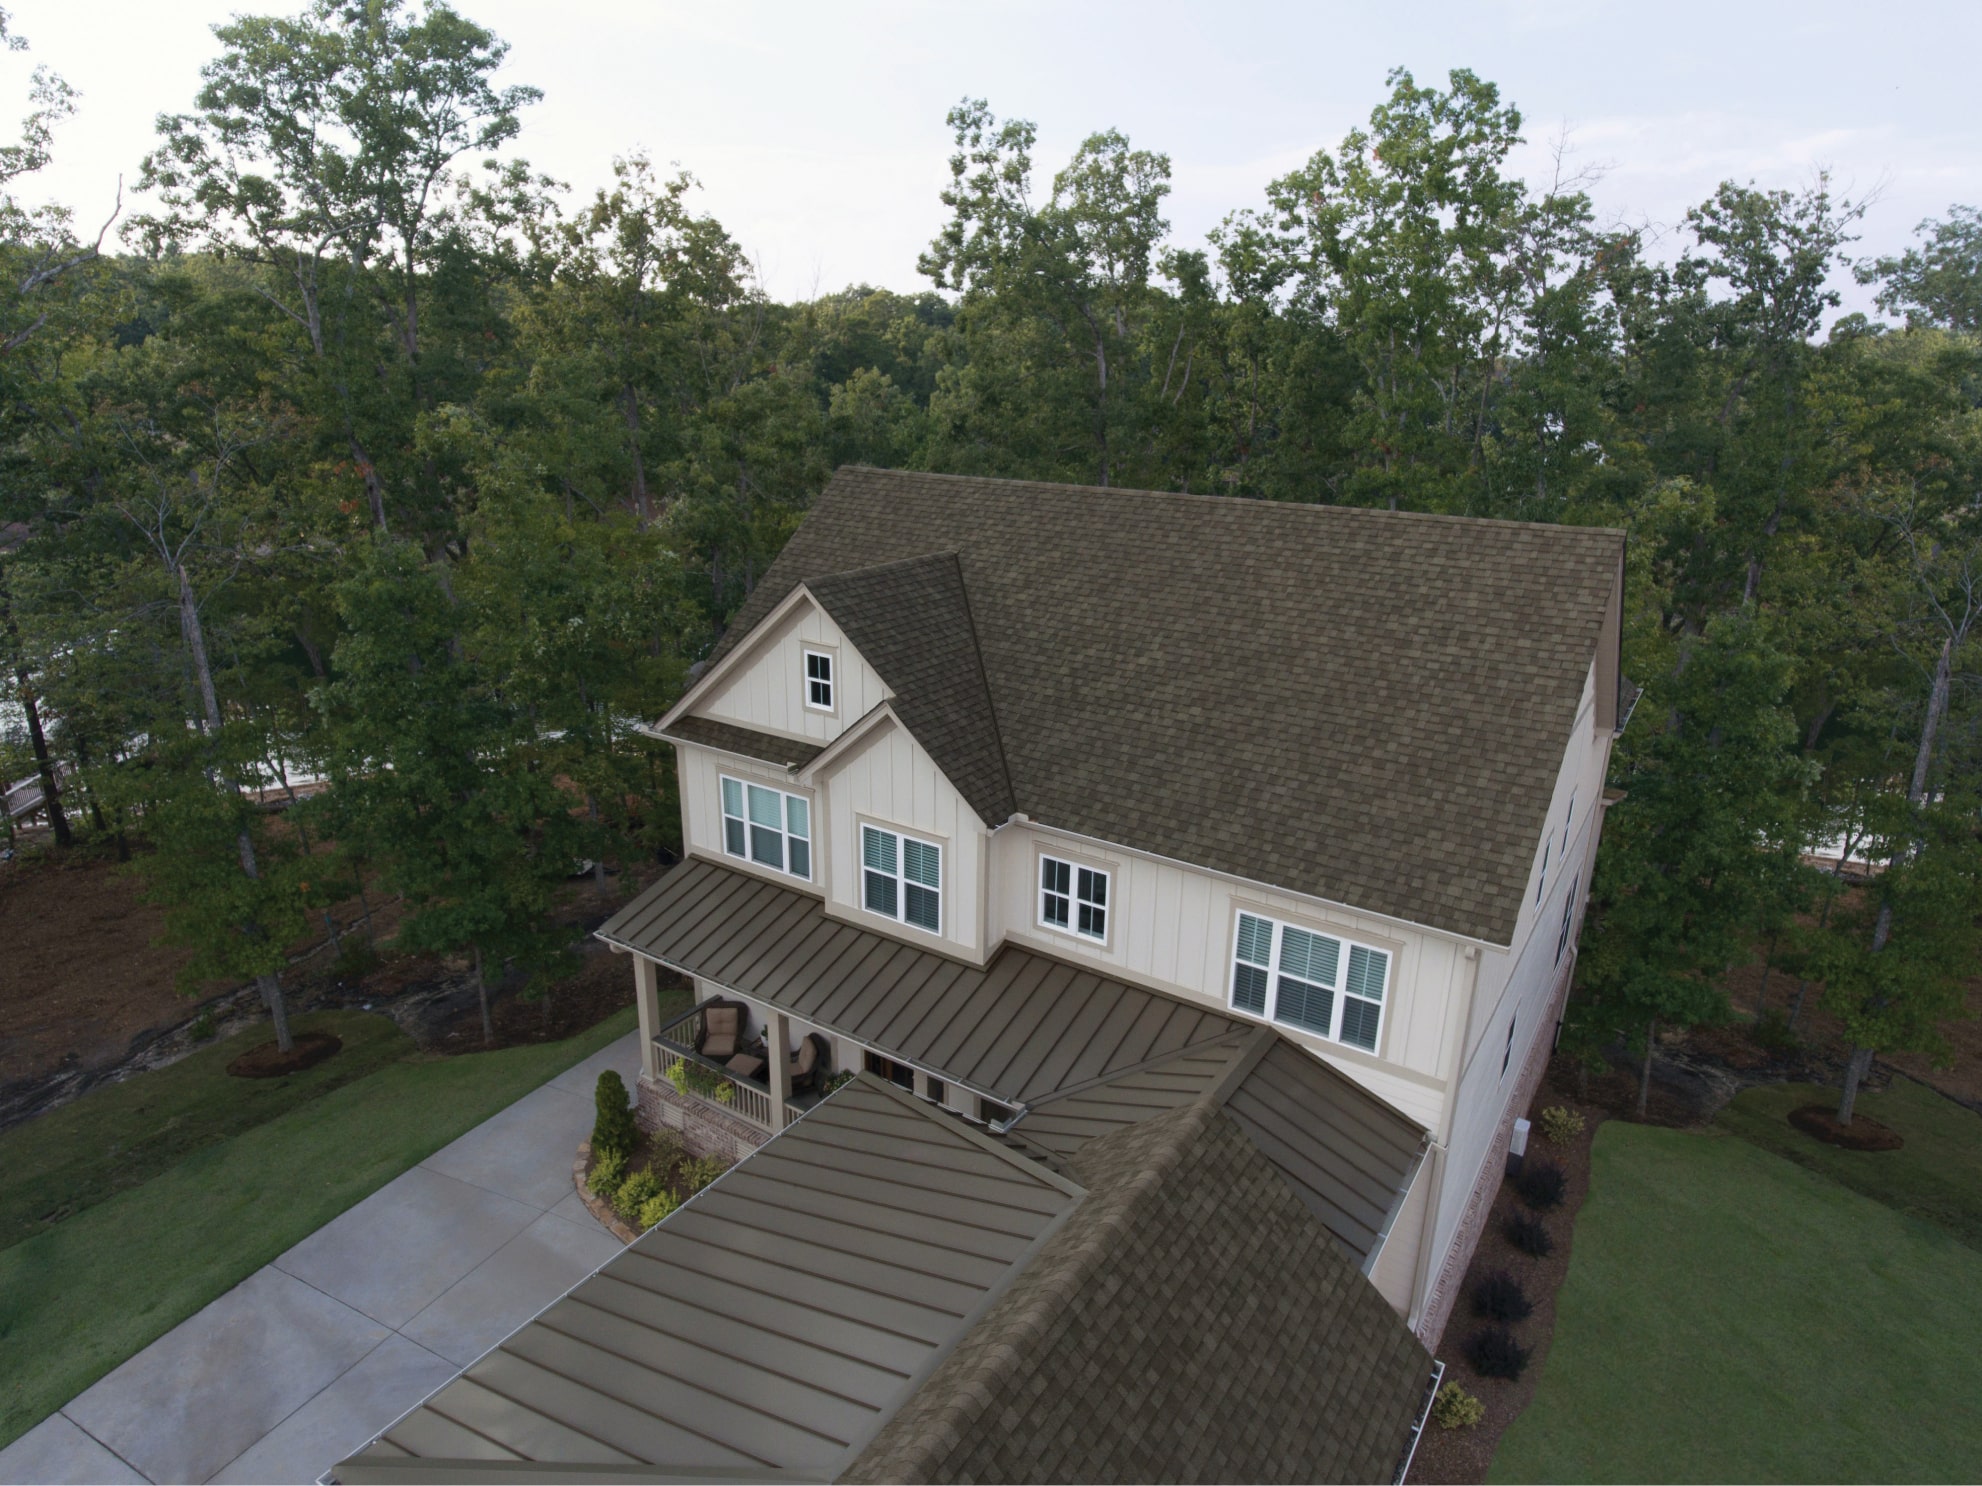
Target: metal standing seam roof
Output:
[
  {"x": 1228, "y": 682},
  {"x": 1024, "y": 1027},
  {"x": 1080, "y": 1055},
  {"x": 769, "y": 1327}
]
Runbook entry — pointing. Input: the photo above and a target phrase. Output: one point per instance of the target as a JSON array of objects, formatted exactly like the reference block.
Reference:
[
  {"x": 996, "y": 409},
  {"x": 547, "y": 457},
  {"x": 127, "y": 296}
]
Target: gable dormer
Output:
[{"x": 797, "y": 676}]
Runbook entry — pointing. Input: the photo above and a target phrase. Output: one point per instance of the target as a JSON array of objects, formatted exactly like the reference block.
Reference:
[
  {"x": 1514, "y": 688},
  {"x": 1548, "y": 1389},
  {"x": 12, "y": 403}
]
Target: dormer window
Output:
[
  {"x": 768, "y": 827},
  {"x": 819, "y": 680},
  {"x": 902, "y": 878}
]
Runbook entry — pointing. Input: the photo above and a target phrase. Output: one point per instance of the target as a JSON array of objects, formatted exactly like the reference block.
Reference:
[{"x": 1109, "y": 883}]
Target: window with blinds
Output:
[
  {"x": 902, "y": 878},
  {"x": 1318, "y": 983},
  {"x": 768, "y": 827}
]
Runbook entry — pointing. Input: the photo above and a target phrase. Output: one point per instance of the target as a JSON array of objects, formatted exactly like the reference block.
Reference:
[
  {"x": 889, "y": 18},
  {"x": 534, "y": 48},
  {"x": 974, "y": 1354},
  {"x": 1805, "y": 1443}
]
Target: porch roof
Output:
[
  {"x": 766, "y": 1330},
  {"x": 1024, "y": 1027}
]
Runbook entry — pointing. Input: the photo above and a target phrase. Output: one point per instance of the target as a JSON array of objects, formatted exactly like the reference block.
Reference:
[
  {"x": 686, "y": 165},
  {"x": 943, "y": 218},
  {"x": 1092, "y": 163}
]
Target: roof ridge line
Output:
[{"x": 990, "y": 696}]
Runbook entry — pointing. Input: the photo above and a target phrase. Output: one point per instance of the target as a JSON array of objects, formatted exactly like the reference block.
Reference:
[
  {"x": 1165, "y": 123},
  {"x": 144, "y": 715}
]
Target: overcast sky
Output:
[{"x": 817, "y": 129}]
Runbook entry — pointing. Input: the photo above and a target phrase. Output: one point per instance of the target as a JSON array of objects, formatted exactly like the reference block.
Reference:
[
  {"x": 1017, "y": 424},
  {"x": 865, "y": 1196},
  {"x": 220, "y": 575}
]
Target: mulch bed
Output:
[
  {"x": 1464, "y": 1455},
  {"x": 266, "y": 1060},
  {"x": 1820, "y": 1122},
  {"x": 603, "y": 984}
]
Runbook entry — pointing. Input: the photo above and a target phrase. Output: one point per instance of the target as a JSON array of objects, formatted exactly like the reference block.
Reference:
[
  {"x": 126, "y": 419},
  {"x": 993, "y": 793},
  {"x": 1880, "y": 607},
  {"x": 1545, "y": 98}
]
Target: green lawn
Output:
[
  {"x": 123, "y": 1135},
  {"x": 78, "y": 1299},
  {"x": 1936, "y": 1175},
  {"x": 1730, "y": 1316}
]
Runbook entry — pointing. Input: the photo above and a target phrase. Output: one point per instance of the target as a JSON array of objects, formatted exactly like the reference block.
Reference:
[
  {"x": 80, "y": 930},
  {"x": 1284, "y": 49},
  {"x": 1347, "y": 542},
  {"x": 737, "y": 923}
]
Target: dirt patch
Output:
[
  {"x": 602, "y": 985},
  {"x": 268, "y": 1060},
  {"x": 1464, "y": 1455},
  {"x": 1820, "y": 1122}
]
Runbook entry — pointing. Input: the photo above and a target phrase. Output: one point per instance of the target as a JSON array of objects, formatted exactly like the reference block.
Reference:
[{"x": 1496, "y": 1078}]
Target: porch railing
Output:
[{"x": 709, "y": 1082}]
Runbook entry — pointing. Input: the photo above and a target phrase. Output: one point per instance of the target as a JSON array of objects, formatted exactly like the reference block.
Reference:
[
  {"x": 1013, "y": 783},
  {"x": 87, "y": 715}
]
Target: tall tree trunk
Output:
[
  {"x": 189, "y": 624},
  {"x": 1645, "y": 1072},
  {"x": 1855, "y": 1068},
  {"x": 482, "y": 995},
  {"x": 51, "y": 792}
]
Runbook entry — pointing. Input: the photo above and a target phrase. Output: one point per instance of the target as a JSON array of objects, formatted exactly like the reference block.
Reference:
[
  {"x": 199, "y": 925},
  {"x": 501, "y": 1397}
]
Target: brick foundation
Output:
[{"x": 703, "y": 1131}]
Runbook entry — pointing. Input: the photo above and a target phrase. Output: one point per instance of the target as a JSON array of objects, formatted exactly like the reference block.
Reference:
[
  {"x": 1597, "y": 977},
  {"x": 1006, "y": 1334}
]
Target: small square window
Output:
[{"x": 818, "y": 681}]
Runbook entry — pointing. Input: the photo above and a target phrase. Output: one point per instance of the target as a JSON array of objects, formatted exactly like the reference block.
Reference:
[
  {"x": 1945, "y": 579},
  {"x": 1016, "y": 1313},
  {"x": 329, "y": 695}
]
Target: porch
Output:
[{"x": 750, "y": 1067}]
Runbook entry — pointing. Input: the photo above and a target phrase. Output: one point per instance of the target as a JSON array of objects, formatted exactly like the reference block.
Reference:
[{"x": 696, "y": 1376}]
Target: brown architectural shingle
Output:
[
  {"x": 1189, "y": 1322},
  {"x": 1366, "y": 706},
  {"x": 747, "y": 741}
]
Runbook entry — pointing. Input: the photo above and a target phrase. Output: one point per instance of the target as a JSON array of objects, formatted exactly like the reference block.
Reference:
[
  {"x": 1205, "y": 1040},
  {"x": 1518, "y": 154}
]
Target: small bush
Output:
[
  {"x": 203, "y": 1029},
  {"x": 1455, "y": 1408},
  {"x": 1560, "y": 1125},
  {"x": 608, "y": 1171},
  {"x": 657, "y": 1207},
  {"x": 1542, "y": 1185},
  {"x": 635, "y": 1193},
  {"x": 1530, "y": 1235},
  {"x": 697, "y": 1174},
  {"x": 612, "y": 1125},
  {"x": 1495, "y": 1354},
  {"x": 1499, "y": 1297}
]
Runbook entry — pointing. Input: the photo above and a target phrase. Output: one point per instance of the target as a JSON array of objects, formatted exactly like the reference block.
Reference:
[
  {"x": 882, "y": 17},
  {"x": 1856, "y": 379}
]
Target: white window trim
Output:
[
  {"x": 1072, "y": 926},
  {"x": 1339, "y": 992},
  {"x": 806, "y": 653},
  {"x": 785, "y": 833},
  {"x": 902, "y": 881}
]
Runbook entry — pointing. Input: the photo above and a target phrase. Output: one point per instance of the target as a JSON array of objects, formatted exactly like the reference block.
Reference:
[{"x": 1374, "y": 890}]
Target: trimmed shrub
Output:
[
  {"x": 1542, "y": 1185},
  {"x": 608, "y": 1171},
  {"x": 697, "y": 1174},
  {"x": 635, "y": 1193},
  {"x": 612, "y": 1124},
  {"x": 657, "y": 1207},
  {"x": 1560, "y": 1125},
  {"x": 1455, "y": 1408},
  {"x": 1530, "y": 1235},
  {"x": 1494, "y": 1353},
  {"x": 1498, "y": 1296}
]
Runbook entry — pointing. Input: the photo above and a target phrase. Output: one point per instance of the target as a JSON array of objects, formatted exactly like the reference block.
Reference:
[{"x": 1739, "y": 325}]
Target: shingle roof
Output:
[
  {"x": 911, "y": 621},
  {"x": 1366, "y": 706},
  {"x": 730, "y": 738},
  {"x": 767, "y": 1328},
  {"x": 1189, "y": 1322}
]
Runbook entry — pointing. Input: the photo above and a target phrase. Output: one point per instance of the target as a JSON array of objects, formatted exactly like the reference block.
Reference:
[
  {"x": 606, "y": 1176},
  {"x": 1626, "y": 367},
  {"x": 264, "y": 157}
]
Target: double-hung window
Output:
[
  {"x": 1312, "y": 981},
  {"x": 902, "y": 878},
  {"x": 1568, "y": 917},
  {"x": 767, "y": 826},
  {"x": 819, "y": 680},
  {"x": 1073, "y": 899}
]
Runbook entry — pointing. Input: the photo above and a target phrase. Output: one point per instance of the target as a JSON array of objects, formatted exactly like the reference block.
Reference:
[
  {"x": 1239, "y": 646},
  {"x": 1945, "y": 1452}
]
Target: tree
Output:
[{"x": 1938, "y": 283}]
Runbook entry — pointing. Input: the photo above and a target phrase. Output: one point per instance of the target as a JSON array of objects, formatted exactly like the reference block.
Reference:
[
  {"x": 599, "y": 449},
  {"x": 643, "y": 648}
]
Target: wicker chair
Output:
[
  {"x": 811, "y": 1061},
  {"x": 723, "y": 1029}
]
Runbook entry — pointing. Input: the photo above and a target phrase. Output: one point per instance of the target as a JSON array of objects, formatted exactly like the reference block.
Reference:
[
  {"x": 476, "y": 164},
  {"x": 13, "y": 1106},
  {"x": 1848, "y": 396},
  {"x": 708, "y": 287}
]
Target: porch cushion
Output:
[
  {"x": 719, "y": 1032},
  {"x": 743, "y": 1065},
  {"x": 805, "y": 1057}
]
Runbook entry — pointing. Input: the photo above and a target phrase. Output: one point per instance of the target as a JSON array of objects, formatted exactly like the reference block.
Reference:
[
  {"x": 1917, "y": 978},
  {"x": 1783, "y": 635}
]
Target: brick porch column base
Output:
[{"x": 703, "y": 1131}]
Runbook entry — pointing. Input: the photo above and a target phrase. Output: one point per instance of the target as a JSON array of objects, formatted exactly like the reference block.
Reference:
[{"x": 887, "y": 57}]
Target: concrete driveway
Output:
[{"x": 305, "y": 1360}]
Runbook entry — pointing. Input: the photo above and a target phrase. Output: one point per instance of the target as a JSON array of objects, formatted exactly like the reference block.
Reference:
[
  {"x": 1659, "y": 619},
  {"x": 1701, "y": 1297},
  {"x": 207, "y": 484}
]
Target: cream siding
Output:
[
  {"x": 886, "y": 779},
  {"x": 1395, "y": 1273},
  {"x": 699, "y": 772},
  {"x": 765, "y": 689}
]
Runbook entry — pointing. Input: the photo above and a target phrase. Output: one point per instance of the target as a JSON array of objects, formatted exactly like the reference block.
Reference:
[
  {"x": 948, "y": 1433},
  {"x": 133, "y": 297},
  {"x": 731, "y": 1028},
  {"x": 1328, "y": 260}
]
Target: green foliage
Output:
[
  {"x": 656, "y": 1208},
  {"x": 1560, "y": 1125},
  {"x": 697, "y": 1174},
  {"x": 608, "y": 1172},
  {"x": 613, "y": 1130},
  {"x": 689, "y": 1077},
  {"x": 1455, "y": 1408},
  {"x": 635, "y": 1193}
]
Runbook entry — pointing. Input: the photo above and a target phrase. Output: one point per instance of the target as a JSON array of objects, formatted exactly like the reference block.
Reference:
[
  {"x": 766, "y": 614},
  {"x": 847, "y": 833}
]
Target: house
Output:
[{"x": 1191, "y": 886}]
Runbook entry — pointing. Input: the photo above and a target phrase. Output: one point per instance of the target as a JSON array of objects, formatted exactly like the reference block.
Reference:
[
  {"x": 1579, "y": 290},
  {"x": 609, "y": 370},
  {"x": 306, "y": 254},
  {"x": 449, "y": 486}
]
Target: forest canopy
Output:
[{"x": 369, "y": 454}]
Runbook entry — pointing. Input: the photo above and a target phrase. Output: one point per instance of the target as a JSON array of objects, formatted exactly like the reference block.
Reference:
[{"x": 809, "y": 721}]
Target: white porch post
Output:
[
  {"x": 778, "y": 1034},
  {"x": 647, "y": 996}
]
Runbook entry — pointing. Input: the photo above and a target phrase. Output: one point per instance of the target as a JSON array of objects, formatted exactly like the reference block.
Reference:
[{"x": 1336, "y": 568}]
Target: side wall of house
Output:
[
  {"x": 766, "y": 688},
  {"x": 1512, "y": 1016}
]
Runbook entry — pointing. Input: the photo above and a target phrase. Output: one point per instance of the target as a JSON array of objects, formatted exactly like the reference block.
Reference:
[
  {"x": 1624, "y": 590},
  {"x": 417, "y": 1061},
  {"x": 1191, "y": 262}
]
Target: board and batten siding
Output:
[
  {"x": 1172, "y": 926},
  {"x": 698, "y": 774},
  {"x": 765, "y": 689},
  {"x": 885, "y": 778}
]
